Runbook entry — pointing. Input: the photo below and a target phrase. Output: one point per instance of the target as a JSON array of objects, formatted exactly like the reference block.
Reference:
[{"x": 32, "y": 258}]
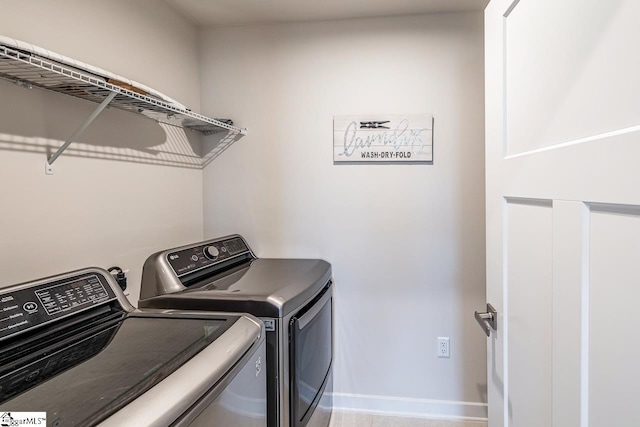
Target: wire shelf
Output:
[{"x": 30, "y": 70}]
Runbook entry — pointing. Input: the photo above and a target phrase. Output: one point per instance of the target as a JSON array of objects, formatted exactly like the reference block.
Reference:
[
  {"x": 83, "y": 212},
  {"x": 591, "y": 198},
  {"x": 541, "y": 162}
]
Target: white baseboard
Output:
[{"x": 409, "y": 407}]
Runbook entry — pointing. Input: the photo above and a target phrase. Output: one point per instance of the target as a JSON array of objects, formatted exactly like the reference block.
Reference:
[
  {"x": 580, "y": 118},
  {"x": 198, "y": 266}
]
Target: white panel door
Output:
[{"x": 563, "y": 212}]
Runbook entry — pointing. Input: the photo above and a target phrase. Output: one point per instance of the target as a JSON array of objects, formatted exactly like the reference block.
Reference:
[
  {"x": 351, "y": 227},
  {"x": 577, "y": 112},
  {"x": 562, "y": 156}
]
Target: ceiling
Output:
[{"x": 242, "y": 12}]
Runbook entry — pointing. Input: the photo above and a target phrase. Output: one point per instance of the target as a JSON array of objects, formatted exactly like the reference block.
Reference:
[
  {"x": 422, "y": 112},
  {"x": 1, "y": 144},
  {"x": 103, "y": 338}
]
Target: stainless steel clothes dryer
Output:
[
  {"x": 293, "y": 297},
  {"x": 72, "y": 346}
]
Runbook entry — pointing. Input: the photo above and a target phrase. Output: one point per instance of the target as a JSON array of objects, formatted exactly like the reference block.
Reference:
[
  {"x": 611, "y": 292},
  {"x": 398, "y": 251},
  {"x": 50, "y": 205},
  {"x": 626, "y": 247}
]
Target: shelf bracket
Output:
[{"x": 76, "y": 134}]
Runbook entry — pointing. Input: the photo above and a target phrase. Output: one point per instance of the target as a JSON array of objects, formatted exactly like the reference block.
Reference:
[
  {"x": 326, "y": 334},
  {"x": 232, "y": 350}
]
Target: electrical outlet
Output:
[{"x": 443, "y": 347}]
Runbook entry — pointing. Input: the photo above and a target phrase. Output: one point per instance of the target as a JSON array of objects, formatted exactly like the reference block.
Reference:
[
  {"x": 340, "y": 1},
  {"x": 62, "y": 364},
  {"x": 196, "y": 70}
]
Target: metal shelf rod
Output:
[{"x": 82, "y": 127}]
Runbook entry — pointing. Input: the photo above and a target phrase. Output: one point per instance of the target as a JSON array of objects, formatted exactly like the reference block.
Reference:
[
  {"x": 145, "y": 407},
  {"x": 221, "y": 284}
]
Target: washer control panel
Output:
[
  {"x": 204, "y": 255},
  {"x": 35, "y": 306}
]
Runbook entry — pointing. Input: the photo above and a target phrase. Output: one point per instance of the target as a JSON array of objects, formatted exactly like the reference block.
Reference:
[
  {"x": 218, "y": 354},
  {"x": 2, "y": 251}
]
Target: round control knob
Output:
[{"x": 211, "y": 252}]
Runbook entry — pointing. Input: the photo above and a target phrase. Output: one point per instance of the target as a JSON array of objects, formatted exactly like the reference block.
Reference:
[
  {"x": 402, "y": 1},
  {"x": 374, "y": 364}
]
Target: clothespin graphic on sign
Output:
[{"x": 374, "y": 125}]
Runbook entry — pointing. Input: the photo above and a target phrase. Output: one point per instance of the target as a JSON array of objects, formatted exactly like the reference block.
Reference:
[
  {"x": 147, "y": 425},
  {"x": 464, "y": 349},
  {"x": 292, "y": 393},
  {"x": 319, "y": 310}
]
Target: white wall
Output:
[
  {"x": 96, "y": 211},
  {"x": 406, "y": 241}
]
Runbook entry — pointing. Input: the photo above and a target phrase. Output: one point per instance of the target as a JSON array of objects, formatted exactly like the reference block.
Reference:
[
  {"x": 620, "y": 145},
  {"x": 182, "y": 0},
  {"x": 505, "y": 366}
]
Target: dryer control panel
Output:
[
  {"x": 27, "y": 307},
  {"x": 192, "y": 259}
]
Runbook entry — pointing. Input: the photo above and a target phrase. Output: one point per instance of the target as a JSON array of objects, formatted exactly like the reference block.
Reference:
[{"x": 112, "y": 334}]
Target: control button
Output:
[
  {"x": 33, "y": 375},
  {"x": 194, "y": 257},
  {"x": 30, "y": 307},
  {"x": 211, "y": 252}
]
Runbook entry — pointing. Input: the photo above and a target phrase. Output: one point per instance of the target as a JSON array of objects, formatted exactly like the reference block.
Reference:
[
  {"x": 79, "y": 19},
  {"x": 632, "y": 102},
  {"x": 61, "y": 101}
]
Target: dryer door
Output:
[{"x": 310, "y": 334}]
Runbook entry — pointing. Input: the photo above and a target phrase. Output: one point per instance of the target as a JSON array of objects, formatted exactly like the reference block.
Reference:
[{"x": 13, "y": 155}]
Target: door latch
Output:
[{"x": 488, "y": 320}]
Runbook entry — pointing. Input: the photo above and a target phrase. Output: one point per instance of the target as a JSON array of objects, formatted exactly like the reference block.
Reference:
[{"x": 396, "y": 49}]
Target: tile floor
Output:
[{"x": 345, "y": 419}]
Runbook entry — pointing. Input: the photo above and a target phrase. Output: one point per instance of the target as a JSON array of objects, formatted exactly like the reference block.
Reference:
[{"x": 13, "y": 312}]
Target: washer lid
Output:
[
  {"x": 85, "y": 378},
  {"x": 265, "y": 288}
]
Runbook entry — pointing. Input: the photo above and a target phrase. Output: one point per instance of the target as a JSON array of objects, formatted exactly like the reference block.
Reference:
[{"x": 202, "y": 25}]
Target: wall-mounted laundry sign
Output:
[{"x": 378, "y": 138}]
